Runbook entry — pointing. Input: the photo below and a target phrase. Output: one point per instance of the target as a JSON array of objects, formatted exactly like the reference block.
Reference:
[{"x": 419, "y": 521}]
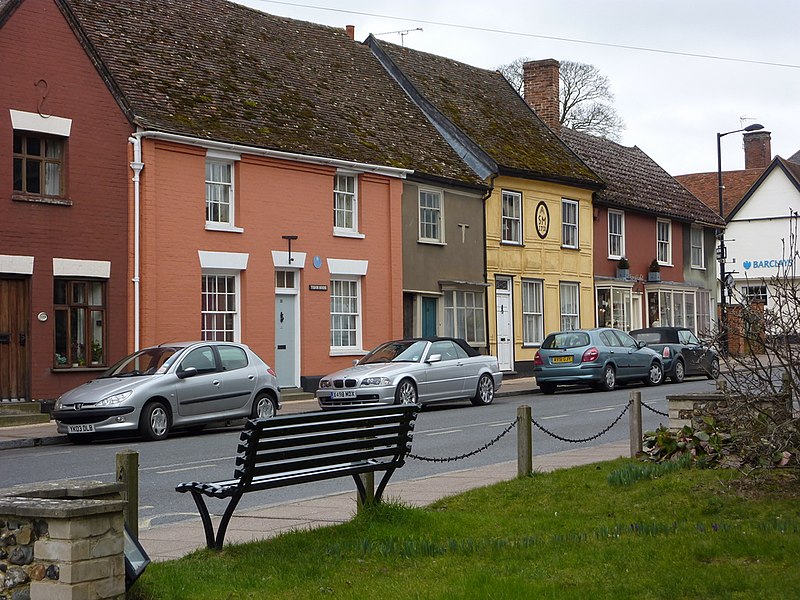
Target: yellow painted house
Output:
[{"x": 538, "y": 245}]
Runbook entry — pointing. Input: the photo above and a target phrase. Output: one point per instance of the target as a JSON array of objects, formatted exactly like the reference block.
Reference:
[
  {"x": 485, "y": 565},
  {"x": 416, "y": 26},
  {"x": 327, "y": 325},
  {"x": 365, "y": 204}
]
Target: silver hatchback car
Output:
[{"x": 172, "y": 386}]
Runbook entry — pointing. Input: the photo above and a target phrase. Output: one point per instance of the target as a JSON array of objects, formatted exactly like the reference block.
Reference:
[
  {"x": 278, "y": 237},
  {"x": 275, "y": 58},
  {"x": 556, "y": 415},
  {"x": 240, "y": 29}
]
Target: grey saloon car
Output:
[
  {"x": 182, "y": 385},
  {"x": 599, "y": 358},
  {"x": 413, "y": 371}
]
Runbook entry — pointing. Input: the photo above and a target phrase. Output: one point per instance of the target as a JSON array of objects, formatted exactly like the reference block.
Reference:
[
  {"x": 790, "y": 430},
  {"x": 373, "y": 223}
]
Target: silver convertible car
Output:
[
  {"x": 413, "y": 371},
  {"x": 172, "y": 386}
]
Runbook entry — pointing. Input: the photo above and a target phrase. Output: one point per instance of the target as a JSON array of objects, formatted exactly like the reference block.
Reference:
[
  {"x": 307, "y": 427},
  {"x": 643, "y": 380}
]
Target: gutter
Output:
[{"x": 293, "y": 156}]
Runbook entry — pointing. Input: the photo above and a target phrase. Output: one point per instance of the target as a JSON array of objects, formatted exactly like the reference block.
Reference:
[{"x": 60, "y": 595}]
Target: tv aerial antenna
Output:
[{"x": 402, "y": 33}]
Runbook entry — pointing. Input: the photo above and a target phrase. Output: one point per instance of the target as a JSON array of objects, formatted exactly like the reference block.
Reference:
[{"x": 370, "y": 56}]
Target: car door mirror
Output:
[
  {"x": 434, "y": 358},
  {"x": 184, "y": 373},
  {"x": 640, "y": 344}
]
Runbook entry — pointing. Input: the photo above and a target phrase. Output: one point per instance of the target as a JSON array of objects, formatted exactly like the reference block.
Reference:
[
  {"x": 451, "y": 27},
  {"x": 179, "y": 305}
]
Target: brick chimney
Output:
[
  {"x": 757, "y": 149},
  {"x": 351, "y": 31},
  {"x": 541, "y": 89}
]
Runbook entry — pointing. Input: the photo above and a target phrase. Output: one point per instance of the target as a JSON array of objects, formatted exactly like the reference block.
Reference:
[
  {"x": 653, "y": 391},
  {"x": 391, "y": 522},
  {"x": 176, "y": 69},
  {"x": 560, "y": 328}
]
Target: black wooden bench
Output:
[{"x": 301, "y": 448}]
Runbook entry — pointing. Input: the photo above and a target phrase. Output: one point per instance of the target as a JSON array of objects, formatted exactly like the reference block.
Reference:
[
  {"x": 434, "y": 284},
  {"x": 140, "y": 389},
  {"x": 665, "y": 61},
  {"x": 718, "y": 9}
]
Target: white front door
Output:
[
  {"x": 287, "y": 360},
  {"x": 505, "y": 325}
]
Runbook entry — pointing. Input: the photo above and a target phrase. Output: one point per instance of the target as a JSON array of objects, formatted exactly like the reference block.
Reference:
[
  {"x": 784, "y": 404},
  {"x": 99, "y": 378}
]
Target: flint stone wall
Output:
[{"x": 62, "y": 541}]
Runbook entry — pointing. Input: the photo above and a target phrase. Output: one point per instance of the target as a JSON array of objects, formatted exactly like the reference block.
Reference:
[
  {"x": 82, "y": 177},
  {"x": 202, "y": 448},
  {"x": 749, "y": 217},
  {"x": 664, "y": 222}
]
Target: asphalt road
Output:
[{"x": 445, "y": 433}]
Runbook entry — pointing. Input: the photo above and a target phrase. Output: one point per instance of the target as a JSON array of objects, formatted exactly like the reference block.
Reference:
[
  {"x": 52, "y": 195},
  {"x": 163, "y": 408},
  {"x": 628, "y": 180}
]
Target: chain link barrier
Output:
[
  {"x": 468, "y": 454},
  {"x": 583, "y": 440},
  {"x": 653, "y": 410},
  {"x": 513, "y": 424}
]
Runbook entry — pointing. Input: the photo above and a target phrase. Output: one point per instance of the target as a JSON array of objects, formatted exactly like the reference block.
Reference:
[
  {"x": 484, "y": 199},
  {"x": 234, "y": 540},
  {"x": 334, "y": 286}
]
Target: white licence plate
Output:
[
  {"x": 343, "y": 394},
  {"x": 80, "y": 428}
]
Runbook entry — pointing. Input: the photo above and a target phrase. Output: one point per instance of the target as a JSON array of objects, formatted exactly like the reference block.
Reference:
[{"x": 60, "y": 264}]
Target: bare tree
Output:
[{"x": 585, "y": 100}]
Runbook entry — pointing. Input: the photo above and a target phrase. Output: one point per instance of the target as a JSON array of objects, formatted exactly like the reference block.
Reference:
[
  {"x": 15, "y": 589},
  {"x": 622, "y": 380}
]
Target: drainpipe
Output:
[
  {"x": 137, "y": 165},
  {"x": 486, "y": 196}
]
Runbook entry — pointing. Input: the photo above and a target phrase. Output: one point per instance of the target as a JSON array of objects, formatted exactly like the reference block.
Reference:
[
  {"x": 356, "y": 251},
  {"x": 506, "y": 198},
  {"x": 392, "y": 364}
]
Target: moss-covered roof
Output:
[
  {"x": 634, "y": 181},
  {"x": 221, "y": 71},
  {"x": 486, "y": 108}
]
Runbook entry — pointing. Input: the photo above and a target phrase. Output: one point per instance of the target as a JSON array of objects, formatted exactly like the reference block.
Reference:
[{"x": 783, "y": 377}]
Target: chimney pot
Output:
[
  {"x": 757, "y": 149},
  {"x": 541, "y": 90},
  {"x": 351, "y": 31}
]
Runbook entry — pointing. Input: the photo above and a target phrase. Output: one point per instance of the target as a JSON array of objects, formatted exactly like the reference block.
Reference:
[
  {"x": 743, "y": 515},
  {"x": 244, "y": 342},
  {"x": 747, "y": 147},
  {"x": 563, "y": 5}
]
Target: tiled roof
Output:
[
  {"x": 706, "y": 187},
  {"x": 484, "y": 106},
  {"x": 634, "y": 181},
  {"x": 219, "y": 70}
]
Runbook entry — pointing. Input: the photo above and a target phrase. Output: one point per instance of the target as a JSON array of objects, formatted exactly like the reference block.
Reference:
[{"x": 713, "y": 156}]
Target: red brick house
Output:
[{"x": 63, "y": 207}]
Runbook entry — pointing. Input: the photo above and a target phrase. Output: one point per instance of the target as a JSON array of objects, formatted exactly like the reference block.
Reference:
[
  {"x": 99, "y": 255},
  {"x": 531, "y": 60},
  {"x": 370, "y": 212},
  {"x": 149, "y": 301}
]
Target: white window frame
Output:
[
  {"x": 703, "y": 308},
  {"x": 664, "y": 244},
  {"x": 462, "y": 307},
  {"x": 343, "y": 194},
  {"x": 532, "y": 312},
  {"x": 437, "y": 212},
  {"x": 616, "y": 237},
  {"x": 236, "y": 312},
  {"x": 756, "y": 293},
  {"x": 354, "y": 283},
  {"x": 697, "y": 254},
  {"x": 569, "y": 292},
  {"x": 569, "y": 229},
  {"x": 511, "y": 222}
]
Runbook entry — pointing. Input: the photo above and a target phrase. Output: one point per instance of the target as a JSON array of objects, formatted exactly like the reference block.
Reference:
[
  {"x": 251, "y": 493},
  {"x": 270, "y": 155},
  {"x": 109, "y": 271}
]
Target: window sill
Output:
[
  {"x": 99, "y": 368},
  {"x": 563, "y": 247},
  {"x": 347, "y": 352},
  {"x": 223, "y": 227},
  {"x": 534, "y": 345},
  {"x": 17, "y": 197},
  {"x": 431, "y": 242},
  {"x": 508, "y": 243},
  {"x": 346, "y": 233},
  {"x": 698, "y": 268}
]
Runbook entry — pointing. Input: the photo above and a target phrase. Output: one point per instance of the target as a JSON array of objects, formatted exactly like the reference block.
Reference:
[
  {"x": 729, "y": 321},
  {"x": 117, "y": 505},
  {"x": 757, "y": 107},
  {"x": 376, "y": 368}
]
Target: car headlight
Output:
[
  {"x": 376, "y": 381},
  {"x": 115, "y": 399},
  {"x": 59, "y": 404},
  {"x": 324, "y": 383}
]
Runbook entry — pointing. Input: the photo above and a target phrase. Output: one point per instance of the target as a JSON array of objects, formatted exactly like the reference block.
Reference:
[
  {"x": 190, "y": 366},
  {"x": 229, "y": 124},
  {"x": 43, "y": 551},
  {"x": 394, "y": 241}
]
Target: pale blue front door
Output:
[{"x": 428, "y": 317}]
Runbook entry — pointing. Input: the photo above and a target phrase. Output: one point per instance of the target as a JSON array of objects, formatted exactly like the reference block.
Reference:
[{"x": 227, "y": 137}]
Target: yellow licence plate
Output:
[{"x": 562, "y": 359}]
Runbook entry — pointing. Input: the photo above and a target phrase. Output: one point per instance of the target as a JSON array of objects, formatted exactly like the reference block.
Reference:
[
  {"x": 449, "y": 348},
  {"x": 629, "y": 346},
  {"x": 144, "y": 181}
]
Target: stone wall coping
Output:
[
  {"x": 62, "y": 499},
  {"x": 694, "y": 396}
]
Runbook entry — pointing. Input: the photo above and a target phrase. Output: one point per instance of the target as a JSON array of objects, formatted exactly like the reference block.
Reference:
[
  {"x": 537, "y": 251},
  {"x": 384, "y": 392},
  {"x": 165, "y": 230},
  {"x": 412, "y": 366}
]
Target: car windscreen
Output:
[
  {"x": 648, "y": 337},
  {"x": 402, "y": 351},
  {"x": 567, "y": 339},
  {"x": 145, "y": 362}
]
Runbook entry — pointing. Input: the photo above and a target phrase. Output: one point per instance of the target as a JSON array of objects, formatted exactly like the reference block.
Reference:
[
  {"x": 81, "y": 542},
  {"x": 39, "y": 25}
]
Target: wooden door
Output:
[{"x": 14, "y": 333}]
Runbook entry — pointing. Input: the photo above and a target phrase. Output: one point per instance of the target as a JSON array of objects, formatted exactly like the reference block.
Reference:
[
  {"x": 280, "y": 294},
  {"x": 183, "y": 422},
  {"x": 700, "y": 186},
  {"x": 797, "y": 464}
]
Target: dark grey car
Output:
[
  {"x": 182, "y": 385},
  {"x": 683, "y": 353}
]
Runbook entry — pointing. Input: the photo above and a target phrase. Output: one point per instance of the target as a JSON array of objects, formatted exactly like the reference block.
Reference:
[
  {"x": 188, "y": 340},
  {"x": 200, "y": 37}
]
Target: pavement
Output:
[{"x": 172, "y": 541}]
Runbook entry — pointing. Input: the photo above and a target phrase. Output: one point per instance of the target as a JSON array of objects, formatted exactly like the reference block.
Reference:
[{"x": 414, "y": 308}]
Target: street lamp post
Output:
[{"x": 722, "y": 252}]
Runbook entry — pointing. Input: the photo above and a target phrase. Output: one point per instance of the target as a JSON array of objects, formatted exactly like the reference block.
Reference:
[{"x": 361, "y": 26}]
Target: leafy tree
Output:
[{"x": 585, "y": 97}]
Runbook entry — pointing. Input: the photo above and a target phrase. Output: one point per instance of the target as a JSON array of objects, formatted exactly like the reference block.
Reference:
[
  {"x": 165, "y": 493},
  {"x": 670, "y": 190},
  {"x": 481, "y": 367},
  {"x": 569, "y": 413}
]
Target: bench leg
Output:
[
  {"x": 215, "y": 542},
  {"x": 364, "y": 495}
]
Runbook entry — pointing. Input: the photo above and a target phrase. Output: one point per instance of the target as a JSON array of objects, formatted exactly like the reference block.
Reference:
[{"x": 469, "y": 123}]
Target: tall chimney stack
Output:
[
  {"x": 351, "y": 31},
  {"x": 757, "y": 149},
  {"x": 541, "y": 90}
]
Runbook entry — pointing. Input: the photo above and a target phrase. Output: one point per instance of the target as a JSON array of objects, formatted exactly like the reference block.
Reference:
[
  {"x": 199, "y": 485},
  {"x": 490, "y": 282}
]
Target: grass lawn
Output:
[{"x": 574, "y": 533}]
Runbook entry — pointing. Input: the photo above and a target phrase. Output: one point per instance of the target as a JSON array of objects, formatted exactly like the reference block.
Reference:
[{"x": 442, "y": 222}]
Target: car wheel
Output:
[
  {"x": 714, "y": 373},
  {"x": 406, "y": 392},
  {"x": 154, "y": 422},
  {"x": 680, "y": 372},
  {"x": 655, "y": 375},
  {"x": 609, "y": 381},
  {"x": 485, "y": 392},
  {"x": 548, "y": 388},
  {"x": 263, "y": 406}
]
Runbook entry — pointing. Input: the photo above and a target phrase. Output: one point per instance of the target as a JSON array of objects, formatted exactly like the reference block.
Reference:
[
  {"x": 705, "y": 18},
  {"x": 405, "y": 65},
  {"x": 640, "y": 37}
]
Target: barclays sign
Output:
[{"x": 767, "y": 264}]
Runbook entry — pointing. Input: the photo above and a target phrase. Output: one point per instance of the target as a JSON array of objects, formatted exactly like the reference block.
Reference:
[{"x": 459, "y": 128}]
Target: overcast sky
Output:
[{"x": 673, "y": 102}]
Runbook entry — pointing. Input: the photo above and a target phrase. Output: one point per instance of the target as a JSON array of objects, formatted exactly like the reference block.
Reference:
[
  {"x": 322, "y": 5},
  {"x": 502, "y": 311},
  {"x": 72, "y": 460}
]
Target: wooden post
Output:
[
  {"x": 368, "y": 479},
  {"x": 128, "y": 475},
  {"x": 524, "y": 441},
  {"x": 636, "y": 422}
]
